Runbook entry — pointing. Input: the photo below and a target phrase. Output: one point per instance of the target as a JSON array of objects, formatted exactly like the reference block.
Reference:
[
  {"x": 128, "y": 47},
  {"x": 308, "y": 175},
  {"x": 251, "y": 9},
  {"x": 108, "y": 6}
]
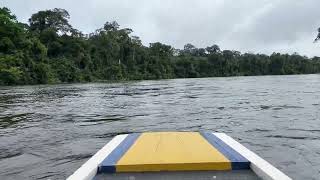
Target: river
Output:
[{"x": 48, "y": 131}]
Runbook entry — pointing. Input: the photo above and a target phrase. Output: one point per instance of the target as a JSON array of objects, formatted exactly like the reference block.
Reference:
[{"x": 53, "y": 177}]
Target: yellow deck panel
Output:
[{"x": 172, "y": 151}]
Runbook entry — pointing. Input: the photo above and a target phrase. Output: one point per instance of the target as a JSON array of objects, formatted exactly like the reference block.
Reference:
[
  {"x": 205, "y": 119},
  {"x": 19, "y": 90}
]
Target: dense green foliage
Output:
[{"x": 50, "y": 50}]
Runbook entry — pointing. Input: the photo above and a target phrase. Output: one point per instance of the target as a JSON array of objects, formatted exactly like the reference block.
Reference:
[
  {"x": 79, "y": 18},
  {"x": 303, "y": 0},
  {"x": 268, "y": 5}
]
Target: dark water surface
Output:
[{"x": 48, "y": 131}]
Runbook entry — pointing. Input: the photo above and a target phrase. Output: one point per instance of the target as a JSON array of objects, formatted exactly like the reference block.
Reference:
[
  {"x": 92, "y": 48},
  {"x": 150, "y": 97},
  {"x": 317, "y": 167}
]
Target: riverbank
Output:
[{"x": 41, "y": 53}]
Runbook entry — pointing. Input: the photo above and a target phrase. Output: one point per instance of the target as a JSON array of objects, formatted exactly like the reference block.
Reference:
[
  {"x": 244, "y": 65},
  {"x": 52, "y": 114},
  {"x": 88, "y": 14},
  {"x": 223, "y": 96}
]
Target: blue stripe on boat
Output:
[
  {"x": 108, "y": 165},
  {"x": 236, "y": 159}
]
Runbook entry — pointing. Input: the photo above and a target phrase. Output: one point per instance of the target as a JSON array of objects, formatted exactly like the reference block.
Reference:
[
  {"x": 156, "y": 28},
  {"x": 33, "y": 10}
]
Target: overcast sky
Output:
[{"x": 260, "y": 26}]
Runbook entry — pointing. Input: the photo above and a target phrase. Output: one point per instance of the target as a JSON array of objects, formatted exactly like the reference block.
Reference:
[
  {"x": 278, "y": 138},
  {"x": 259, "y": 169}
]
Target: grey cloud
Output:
[
  {"x": 262, "y": 26},
  {"x": 285, "y": 24}
]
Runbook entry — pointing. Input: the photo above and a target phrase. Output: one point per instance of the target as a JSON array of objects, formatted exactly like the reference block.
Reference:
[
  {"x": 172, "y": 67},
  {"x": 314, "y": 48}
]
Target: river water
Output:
[{"x": 48, "y": 131}]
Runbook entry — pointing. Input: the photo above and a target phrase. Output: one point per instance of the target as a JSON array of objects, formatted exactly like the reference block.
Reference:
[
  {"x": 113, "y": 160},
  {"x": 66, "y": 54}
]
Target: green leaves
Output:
[
  {"x": 10, "y": 72},
  {"x": 49, "y": 50},
  {"x": 55, "y": 19},
  {"x": 6, "y": 45},
  {"x": 7, "y": 13},
  {"x": 10, "y": 76}
]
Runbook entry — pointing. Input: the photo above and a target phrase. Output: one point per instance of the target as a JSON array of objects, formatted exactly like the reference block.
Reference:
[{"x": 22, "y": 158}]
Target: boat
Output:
[{"x": 176, "y": 155}]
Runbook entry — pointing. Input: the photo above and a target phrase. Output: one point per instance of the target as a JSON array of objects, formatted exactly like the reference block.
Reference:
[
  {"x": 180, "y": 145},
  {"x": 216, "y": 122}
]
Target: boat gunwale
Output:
[{"x": 258, "y": 165}]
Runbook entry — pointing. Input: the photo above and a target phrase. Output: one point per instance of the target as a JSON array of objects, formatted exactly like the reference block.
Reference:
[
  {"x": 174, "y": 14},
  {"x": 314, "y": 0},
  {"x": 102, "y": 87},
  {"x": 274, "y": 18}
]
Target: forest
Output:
[{"x": 49, "y": 50}]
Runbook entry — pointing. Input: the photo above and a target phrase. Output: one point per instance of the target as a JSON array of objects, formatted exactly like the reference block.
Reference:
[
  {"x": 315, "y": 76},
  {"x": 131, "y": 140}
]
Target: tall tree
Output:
[
  {"x": 318, "y": 36},
  {"x": 213, "y": 49},
  {"x": 50, "y": 50},
  {"x": 55, "y": 19},
  {"x": 111, "y": 26},
  {"x": 189, "y": 49}
]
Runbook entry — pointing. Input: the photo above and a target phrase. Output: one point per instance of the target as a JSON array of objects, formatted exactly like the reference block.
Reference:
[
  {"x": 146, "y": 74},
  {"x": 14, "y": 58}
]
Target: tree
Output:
[
  {"x": 10, "y": 76},
  {"x": 189, "y": 49},
  {"x": 213, "y": 49},
  {"x": 55, "y": 19},
  {"x": 162, "y": 50},
  {"x": 200, "y": 52},
  {"x": 318, "y": 36},
  {"x": 6, "y": 12},
  {"x": 111, "y": 26},
  {"x": 49, "y": 50},
  {"x": 136, "y": 40},
  {"x": 12, "y": 33}
]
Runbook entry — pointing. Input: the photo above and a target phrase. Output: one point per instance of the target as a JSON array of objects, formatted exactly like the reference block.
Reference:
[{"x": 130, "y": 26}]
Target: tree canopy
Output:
[
  {"x": 318, "y": 36},
  {"x": 56, "y": 20},
  {"x": 50, "y": 50}
]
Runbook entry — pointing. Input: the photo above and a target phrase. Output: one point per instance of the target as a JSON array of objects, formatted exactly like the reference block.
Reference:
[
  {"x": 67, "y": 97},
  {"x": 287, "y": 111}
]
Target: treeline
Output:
[{"x": 50, "y": 50}]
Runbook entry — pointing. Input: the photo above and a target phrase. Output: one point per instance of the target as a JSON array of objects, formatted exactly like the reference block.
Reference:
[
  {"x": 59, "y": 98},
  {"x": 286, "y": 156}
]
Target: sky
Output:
[{"x": 257, "y": 26}]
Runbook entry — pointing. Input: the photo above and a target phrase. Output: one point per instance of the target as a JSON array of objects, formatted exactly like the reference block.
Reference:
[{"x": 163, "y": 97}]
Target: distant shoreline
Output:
[
  {"x": 49, "y": 50},
  {"x": 132, "y": 81}
]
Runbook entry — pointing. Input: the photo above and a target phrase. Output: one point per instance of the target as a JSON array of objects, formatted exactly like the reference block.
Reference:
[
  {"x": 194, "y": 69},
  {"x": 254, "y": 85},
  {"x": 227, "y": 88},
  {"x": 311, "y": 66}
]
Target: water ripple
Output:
[{"x": 48, "y": 131}]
